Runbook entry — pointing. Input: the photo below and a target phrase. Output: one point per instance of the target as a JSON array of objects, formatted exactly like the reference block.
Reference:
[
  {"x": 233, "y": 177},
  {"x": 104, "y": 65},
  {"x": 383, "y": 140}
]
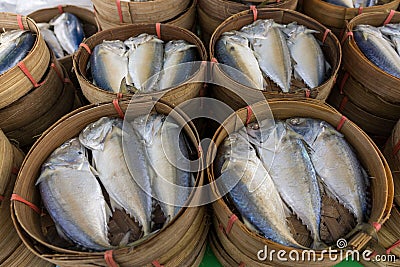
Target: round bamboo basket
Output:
[
  {"x": 211, "y": 13},
  {"x": 174, "y": 96},
  {"x": 87, "y": 18},
  {"x": 370, "y": 123},
  {"x": 241, "y": 244},
  {"x": 392, "y": 154},
  {"x": 14, "y": 83},
  {"x": 180, "y": 243},
  {"x": 335, "y": 17},
  {"x": 331, "y": 49},
  {"x": 185, "y": 20}
]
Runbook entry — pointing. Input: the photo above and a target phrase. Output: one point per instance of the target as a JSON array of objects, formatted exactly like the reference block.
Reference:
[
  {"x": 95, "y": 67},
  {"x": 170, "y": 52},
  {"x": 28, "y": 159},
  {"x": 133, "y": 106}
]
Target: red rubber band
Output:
[
  {"x": 57, "y": 71},
  {"x": 249, "y": 114},
  {"x": 341, "y": 123},
  {"x": 389, "y": 17},
  {"x": 60, "y": 9},
  {"x": 156, "y": 264},
  {"x": 214, "y": 60},
  {"x": 395, "y": 245},
  {"x": 200, "y": 150},
  {"x": 120, "y": 95},
  {"x": 1, "y": 198},
  {"x": 348, "y": 34},
  {"x": 343, "y": 103},
  {"x": 87, "y": 48},
  {"x": 308, "y": 93},
  {"x": 253, "y": 8},
  {"x": 231, "y": 222},
  {"x": 158, "y": 30},
  {"x": 118, "y": 108},
  {"x": 360, "y": 10},
  {"x": 396, "y": 148},
  {"x": 278, "y": 1},
  {"x": 343, "y": 82},
  {"x": 327, "y": 31},
  {"x": 242, "y": 264},
  {"x": 25, "y": 70},
  {"x": 108, "y": 257},
  {"x": 20, "y": 24},
  {"x": 14, "y": 171},
  {"x": 118, "y": 2},
  {"x": 15, "y": 197},
  {"x": 377, "y": 226}
]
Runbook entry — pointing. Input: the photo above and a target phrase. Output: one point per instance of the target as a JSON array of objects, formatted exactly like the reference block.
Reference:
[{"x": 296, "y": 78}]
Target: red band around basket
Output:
[
  {"x": 118, "y": 3},
  {"x": 343, "y": 103},
  {"x": 20, "y": 24},
  {"x": 1, "y": 198},
  {"x": 118, "y": 108},
  {"x": 348, "y": 34},
  {"x": 25, "y": 70},
  {"x": 119, "y": 95},
  {"x": 158, "y": 30},
  {"x": 342, "y": 121},
  {"x": 231, "y": 222},
  {"x": 242, "y": 264},
  {"x": 255, "y": 12},
  {"x": 249, "y": 114},
  {"x": 108, "y": 257},
  {"x": 14, "y": 171},
  {"x": 389, "y": 17},
  {"x": 15, "y": 197},
  {"x": 214, "y": 60},
  {"x": 60, "y": 9},
  {"x": 156, "y": 264},
  {"x": 360, "y": 10},
  {"x": 200, "y": 150},
  {"x": 396, "y": 148},
  {"x": 343, "y": 82},
  {"x": 59, "y": 73},
  {"x": 278, "y": 1},
  {"x": 395, "y": 245},
  {"x": 327, "y": 31},
  {"x": 377, "y": 226},
  {"x": 87, "y": 48},
  {"x": 308, "y": 93}
]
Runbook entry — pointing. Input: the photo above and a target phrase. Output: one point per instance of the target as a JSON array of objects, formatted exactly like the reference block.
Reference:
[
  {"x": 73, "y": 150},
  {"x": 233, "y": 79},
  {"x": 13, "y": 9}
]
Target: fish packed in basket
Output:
[
  {"x": 264, "y": 51},
  {"x": 353, "y": 3},
  {"x": 63, "y": 34},
  {"x": 141, "y": 64},
  {"x": 285, "y": 168},
  {"x": 116, "y": 183}
]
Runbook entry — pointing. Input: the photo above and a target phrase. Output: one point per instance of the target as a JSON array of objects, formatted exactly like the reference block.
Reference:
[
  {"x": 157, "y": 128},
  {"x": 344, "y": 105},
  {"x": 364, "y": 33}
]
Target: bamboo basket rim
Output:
[{"x": 360, "y": 239}]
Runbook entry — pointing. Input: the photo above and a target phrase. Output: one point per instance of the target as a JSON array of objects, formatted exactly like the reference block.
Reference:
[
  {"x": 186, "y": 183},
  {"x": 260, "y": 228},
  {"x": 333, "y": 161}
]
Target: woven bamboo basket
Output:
[
  {"x": 331, "y": 49},
  {"x": 174, "y": 96},
  {"x": 87, "y": 18},
  {"x": 26, "y": 134},
  {"x": 370, "y": 123},
  {"x": 180, "y": 243},
  {"x": 241, "y": 244},
  {"x": 335, "y": 17},
  {"x": 184, "y": 20},
  {"x": 211, "y": 13},
  {"x": 14, "y": 83},
  {"x": 392, "y": 154}
]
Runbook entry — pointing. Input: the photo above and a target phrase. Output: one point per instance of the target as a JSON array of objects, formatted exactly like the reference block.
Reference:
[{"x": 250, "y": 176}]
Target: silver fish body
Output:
[
  {"x": 271, "y": 50},
  {"x": 69, "y": 31},
  {"x": 14, "y": 47},
  {"x": 255, "y": 195},
  {"x": 145, "y": 62},
  {"x": 233, "y": 50},
  {"x": 344, "y": 3},
  {"x": 393, "y": 31},
  {"x": 51, "y": 39},
  {"x": 177, "y": 52},
  {"x": 364, "y": 3},
  {"x": 293, "y": 174},
  {"x": 377, "y": 49},
  {"x": 108, "y": 157},
  {"x": 335, "y": 163},
  {"x": 109, "y": 65},
  {"x": 307, "y": 55},
  {"x": 73, "y": 197}
]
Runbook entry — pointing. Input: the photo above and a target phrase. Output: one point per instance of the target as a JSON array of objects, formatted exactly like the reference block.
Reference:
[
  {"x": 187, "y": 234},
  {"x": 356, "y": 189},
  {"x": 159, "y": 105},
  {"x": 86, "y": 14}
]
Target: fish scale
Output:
[{"x": 69, "y": 31}]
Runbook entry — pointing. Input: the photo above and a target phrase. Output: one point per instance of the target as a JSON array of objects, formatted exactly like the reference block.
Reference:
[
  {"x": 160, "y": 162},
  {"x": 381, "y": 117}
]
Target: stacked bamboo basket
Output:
[
  {"x": 87, "y": 18},
  {"x": 181, "y": 243},
  {"x": 241, "y": 95},
  {"x": 336, "y": 17},
  {"x": 12, "y": 251},
  {"x": 211, "y": 13},
  {"x": 110, "y": 13},
  {"x": 366, "y": 94},
  {"x": 167, "y": 32},
  {"x": 234, "y": 244},
  {"x": 34, "y": 94}
]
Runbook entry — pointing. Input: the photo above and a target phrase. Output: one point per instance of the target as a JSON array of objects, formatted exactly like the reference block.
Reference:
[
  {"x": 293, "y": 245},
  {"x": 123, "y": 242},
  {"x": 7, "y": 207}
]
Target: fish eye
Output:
[
  {"x": 295, "y": 121},
  {"x": 255, "y": 126}
]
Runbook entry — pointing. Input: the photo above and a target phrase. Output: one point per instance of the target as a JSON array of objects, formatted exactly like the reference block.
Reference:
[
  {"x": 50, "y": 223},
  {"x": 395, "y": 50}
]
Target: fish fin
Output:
[
  {"x": 109, "y": 213},
  {"x": 250, "y": 226},
  {"x": 286, "y": 209},
  {"x": 126, "y": 88},
  {"x": 366, "y": 176},
  {"x": 125, "y": 240},
  {"x": 115, "y": 205},
  {"x": 296, "y": 74}
]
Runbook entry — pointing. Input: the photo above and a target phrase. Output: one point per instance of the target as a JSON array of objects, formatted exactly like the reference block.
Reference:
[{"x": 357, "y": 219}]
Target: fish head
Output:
[
  {"x": 367, "y": 30},
  {"x": 71, "y": 154},
  {"x": 308, "y": 128},
  {"x": 391, "y": 29},
  {"x": 134, "y": 42},
  {"x": 115, "y": 46},
  {"x": 258, "y": 29},
  {"x": 294, "y": 31},
  {"x": 10, "y": 36},
  {"x": 233, "y": 38},
  {"x": 175, "y": 46},
  {"x": 94, "y": 135}
]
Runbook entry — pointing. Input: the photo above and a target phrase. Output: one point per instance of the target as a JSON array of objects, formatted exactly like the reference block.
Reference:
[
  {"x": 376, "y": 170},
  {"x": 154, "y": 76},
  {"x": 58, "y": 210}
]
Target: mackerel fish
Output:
[
  {"x": 73, "y": 197},
  {"x": 51, "y": 39},
  {"x": 393, "y": 31},
  {"x": 69, "y": 31}
]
